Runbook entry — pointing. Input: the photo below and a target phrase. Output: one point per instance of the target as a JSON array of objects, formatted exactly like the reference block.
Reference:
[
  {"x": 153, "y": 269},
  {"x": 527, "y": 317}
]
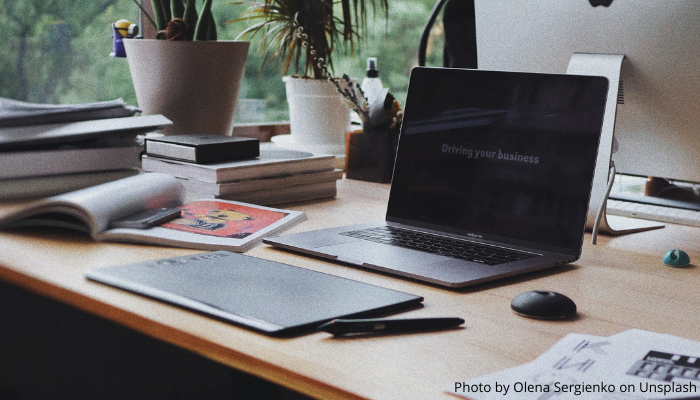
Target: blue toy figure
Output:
[{"x": 120, "y": 30}]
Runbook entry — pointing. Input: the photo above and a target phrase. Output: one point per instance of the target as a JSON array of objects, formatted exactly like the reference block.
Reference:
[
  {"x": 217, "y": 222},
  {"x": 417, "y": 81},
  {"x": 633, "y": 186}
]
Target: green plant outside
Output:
[{"x": 305, "y": 33}]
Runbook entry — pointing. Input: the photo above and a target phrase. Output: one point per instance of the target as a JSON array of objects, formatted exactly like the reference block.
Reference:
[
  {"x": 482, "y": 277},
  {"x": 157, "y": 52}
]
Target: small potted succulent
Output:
[
  {"x": 305, "y": 34},
  {"x": 185, "y": 73}
]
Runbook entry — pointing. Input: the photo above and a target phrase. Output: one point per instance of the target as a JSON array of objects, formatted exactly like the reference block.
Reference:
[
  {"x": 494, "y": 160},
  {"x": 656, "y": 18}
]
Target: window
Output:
[{"x": 58, "y": 52}]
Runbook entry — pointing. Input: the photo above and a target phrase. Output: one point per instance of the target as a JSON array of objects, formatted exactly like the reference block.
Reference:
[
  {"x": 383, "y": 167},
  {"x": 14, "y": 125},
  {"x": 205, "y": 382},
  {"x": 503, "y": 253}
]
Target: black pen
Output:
[{"x": 345, "y": 326}]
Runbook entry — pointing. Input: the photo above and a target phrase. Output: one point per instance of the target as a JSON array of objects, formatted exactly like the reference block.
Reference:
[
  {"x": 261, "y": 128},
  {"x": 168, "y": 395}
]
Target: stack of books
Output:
[
  {"x": 274, "y": 176},
  {"x": 51, "y": 149},
  {"x": 39, "y": 171}
]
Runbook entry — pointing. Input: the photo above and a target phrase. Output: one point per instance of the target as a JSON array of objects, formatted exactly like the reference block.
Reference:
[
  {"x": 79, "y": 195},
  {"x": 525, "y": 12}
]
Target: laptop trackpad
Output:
[{"x": 365, "y": 252}]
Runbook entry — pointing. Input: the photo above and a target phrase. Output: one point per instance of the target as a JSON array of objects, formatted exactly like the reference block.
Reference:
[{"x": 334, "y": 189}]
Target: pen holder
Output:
[{"x": 370, "y": 154}]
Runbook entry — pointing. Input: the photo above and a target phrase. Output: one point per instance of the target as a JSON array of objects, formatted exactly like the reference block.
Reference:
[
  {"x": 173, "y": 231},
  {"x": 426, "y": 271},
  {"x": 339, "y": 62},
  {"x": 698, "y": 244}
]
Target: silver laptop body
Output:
[{"x": 492, "y": 178}]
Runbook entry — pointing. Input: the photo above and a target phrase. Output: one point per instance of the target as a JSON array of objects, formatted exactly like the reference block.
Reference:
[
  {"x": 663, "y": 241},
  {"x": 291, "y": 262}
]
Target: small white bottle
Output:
[{"x": 372, "y": 85}]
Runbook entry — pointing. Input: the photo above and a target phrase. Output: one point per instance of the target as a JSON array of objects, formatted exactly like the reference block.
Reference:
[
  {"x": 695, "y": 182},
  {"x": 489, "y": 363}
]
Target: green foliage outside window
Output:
[{"x": 52, "y": 54}]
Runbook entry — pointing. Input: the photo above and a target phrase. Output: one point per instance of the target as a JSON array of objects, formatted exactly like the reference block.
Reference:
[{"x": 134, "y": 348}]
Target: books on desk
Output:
[
  {"x": 271, "y": 190},
  {"x": 48, "y": 185},
  {"x": 48, "y": 149},
  {"x": 203, "y": 149},
  {"x": 21, "y": 113},
  {"x": 32, "y": 135},
  {"x": 49, "y": 169},
  {"x": 85, "y": 156},
  {"x": 104, "y": 210},
  {"x": 277, "y": 176}
]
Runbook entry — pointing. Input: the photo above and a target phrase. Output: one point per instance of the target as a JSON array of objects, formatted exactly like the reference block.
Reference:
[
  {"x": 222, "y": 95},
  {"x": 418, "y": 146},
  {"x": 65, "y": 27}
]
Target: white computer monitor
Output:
[{"x": 658, "y": 116}]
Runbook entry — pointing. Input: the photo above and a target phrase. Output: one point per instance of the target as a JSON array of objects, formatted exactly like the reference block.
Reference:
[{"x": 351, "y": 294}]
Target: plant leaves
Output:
[
  {"x": 202, "y": 30},
  {"x": 190, "y": 15},
  {"x": 177, "y": 9}
]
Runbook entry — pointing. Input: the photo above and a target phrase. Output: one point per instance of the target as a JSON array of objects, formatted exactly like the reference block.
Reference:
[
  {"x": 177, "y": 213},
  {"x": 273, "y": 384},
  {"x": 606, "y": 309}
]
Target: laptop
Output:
[{"x": 492, "y": 178}]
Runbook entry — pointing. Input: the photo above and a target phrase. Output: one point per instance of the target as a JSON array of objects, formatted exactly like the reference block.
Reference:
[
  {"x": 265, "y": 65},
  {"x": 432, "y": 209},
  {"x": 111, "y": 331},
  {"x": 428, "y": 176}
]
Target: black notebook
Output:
[
  {"x": 203, "y": 149},
  {"x": 267, "y": 296}
]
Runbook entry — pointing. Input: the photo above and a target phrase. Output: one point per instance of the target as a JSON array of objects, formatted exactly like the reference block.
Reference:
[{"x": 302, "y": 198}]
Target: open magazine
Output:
[{"x": 205, "y": 224}]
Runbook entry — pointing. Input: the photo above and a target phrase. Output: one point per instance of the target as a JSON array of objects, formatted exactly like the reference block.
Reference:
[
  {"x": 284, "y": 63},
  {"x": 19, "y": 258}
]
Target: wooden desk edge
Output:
[{"x": 182, "y": 339}]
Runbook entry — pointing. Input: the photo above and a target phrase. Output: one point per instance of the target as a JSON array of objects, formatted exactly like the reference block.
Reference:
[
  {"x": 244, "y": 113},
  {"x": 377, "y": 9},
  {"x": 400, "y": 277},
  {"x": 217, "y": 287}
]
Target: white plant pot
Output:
[
  {"x": 193, "y": 83},
  {"x": 317, "y": 113}
]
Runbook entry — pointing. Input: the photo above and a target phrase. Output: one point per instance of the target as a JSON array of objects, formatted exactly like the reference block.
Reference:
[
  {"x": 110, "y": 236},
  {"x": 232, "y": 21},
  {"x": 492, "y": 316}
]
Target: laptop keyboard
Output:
[{"x": 441, "y": 245}]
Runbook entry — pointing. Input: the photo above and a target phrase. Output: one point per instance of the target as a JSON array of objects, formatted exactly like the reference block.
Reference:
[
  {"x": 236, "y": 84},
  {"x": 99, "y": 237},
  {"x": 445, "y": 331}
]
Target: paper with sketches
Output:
[{"x": 634, "y": 364}]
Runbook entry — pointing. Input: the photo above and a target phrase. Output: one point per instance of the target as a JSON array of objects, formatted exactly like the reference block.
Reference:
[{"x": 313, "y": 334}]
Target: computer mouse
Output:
[{"x": 543, "y": 304}]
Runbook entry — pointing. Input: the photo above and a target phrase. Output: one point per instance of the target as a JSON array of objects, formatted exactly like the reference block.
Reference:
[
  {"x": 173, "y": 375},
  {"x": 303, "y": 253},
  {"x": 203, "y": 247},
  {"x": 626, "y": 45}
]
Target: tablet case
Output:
[{"x": 267, "y": 296}]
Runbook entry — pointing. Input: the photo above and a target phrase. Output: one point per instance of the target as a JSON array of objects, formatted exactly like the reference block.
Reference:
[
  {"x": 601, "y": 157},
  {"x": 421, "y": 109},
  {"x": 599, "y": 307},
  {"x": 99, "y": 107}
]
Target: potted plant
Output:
[
  {"x": 305, "y": 34},
  {"x": 185, "y": 73}
]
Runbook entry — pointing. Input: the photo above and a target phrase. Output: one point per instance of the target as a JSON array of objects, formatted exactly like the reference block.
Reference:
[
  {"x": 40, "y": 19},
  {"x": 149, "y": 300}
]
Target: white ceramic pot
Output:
[
  {"x": 317, "y": 114},
  {"x": 193, "y": 83}
]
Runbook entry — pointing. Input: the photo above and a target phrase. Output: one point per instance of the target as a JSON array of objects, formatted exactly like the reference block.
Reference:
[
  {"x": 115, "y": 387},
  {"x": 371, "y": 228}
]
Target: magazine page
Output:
[
  {"x": 98, "y": 205},
  {"x": 213, "y": 224}
]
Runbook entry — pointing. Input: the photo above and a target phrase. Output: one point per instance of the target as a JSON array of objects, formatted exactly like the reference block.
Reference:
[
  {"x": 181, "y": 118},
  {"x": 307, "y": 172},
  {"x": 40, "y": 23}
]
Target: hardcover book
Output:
[
  {"x": 271, "y": 162},
  {"x": 81, "y": 130},
  {"x": 203, "y": 149},
  {"x": 34, "y": 187},
  {"x": 104, "y": 154},
  {"x": 211, "y": 189},
  {"x": 205, "y": 224},
  {"x": 288, "y": 194},
  {"x": 21, "y": 113}
]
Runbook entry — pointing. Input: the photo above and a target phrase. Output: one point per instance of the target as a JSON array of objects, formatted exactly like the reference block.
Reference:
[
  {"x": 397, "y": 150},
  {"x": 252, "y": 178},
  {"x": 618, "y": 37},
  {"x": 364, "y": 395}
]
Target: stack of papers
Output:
[{"x": 634, "y": 364}]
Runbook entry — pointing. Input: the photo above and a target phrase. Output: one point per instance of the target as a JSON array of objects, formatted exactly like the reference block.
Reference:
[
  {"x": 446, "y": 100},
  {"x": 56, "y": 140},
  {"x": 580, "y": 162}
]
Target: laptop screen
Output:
[{"x": 500, "y": 156}]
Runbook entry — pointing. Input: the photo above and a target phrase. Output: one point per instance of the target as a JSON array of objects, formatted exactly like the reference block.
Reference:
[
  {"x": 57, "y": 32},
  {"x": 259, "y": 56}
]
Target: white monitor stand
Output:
[{"x": 609, "y": 66}]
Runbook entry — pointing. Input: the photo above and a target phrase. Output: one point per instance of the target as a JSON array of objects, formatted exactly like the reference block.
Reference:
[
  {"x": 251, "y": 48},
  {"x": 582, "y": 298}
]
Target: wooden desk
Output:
[{"x": 618, "y": 284}]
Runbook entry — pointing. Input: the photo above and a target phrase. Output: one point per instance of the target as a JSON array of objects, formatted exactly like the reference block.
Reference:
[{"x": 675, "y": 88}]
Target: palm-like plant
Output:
[
  {"x": 308, "y": 31},
  {"x": 179, "y": 19}
]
